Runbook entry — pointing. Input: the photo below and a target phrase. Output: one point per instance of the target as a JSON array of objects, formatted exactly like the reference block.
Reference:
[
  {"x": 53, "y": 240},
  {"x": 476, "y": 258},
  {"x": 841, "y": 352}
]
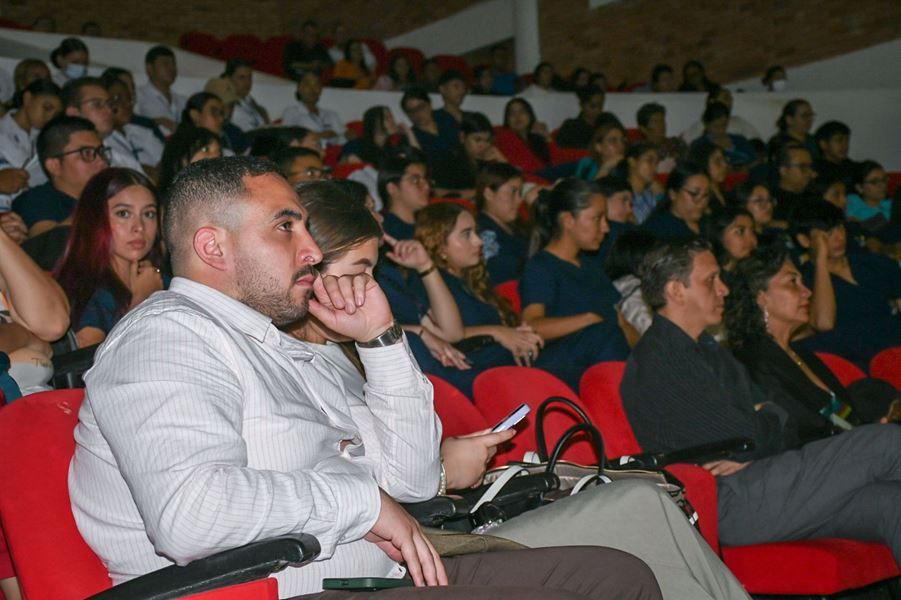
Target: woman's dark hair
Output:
[
  {"x": 267, "y": 140},
  {"x": 392, "y": 171},
  {"x": 770, "y": 73},
  {"x": 38, "y": 87},
  {"x": 789, "y": 110},
  {"x": 627, "y": 253},
  {"x": 356, "y": 191},
  {"x": 714, "y": 111},
  {"x": 67, "y": 46},
  {"x": 659, "y": 70},
  {"x": 586, "y": 93},
  {"x": 700, "y": 154},
  {"x": 676, "y": 180},
  {"x": 864, "y": 169},
  {"x": 20, "y": 73},
  {"x": 414, "y": 93},
  {"x": 814, "y": 213},
  {"x": 392, "y": 72},
  {"x": 373, "y": 123},
  {"x": 611, "y": 184},
  {"x": 195, "y": 102},
  {"x": 743, "y": 318},
  {"x": 570, "y": 195},
  {"x": 717, "y": 225},
  {"x": 574, "y": 77},
  {"x": 634, "y": 151},
  {"x": 742, "y": 193},
  {"x": 526, "y": 107},
  {"x": 86, "y": 265},
  {"x": 475, "y": 122},
  {"x": 337, "y": 222},
  {"x": 347, "y": 46},
  {"x": 538, "y": 69},
  {"x": 178, "y": 152},
  {"x": 234, "y": 64},
  {"x": 492, "y": 176},
  {"x": 646, "y": 111},
  {"x": 820, "y": 184},
  {"x": 537, "y": 143}
]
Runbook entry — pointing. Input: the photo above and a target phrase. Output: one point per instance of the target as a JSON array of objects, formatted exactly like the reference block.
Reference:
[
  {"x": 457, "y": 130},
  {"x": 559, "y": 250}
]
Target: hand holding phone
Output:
[{"x": 512, "y": 419}]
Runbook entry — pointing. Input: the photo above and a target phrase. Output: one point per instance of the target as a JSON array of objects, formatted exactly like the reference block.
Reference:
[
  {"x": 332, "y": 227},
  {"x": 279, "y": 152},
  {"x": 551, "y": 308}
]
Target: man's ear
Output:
[
  {"x": 53, "y": 166},
  {"x": 72, "y": 111},
  {"x": 673, "y": 291},
  {"x": 803, "y": 240},
  {"x": 211, "y": 246}
]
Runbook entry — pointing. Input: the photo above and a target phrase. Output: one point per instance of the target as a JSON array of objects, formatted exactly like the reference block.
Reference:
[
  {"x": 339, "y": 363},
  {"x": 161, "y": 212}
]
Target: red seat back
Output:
[
  {"x": 241, "y": 45},
  {"x": 343, "y": 171},
  {"x": 500, "y": 390},
  {"x": 561, "y": 156},
  {"x": 600, "y": 393},
  {"x": 734, "y": 179},
  {"x": 846, "y": 371},
  {"x": 379, "y": 52},
  {"x": 510, "y": 291},
  {"x": 457, "y": 413},
  {"x": 356, "y": 127},
  {"x": 271, "y": 53},
  {"x": 200, "y": 42},
  {"x": 36, "y": 445},
  {"x": 894, "y": 181},
  {"x": 634, "y": 134},
  {"x": 457, "y": 63},
  {"x": 887, "y": 365}
]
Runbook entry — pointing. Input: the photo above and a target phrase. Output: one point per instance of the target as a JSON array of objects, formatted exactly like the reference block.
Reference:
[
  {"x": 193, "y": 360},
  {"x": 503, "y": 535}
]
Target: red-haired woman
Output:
[{"x": 113, "y": 259}]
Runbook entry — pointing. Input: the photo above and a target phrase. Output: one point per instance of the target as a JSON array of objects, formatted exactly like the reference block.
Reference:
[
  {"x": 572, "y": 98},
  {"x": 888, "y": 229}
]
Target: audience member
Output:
[
  {"x": 738, "y": 151},
  {"x": 795, "y": 170},
  {"x": 713, "y": 159},
  {"x": 113, "y": 259},
  {"x": 298, "y": 165},
  {"x": 623, "y": 266},
  {"x": 504, "y": 237},
  {"x": 337, "y": 52},
  {"x": 234, "y": 140},
  {"x": 404, "y": 189},
  {"x": 430, "y": 72},
  {"x": 504, "y": 80},
  {"x": 267, "y": 140},
  {"x": 870, "y": 205},
  {"x": 682, "y": 389},
  {"x": 736, "y": 124},
  {"x": 620, "y": 213},
  {"x": 28, "y": 70},
  {"x": 522, "y": 139},
  {"x": 694, "y": 78},
  {"x": 185, "y": 148},
  {"x": 399, "y": 76},
  {"x": 833, "y": 139},
  {"x": 608, "y": 146},
  {"x": 566, "y": 297},
  {"x": 867, "y": 287},
  {"x": 680, "y": 216},
  {"x": 638, "y": 167},
  {"x": 352, "y": 71},
  {"x": 663, "y": 79},
  {"x": 794, "y": 126},
  {"x": 598, "y": 80},
  {"x": 578, "y": 132},
  {"x": 651, "y": 119},
  {"x": 69, "y": 61},
  {"x": 455, "y": 172},
  {"x": 156, "y": 100},
  {"x": 19, "y": 164},
  {"x": 435, "y": 131},
  {"x": 70, "y": 152},
  {"x": 732, "y": 237},
  {"x": 775, "y": 79},
  {"x": 544, "y": 81},
  {"x": 834, "y": 192},
  {"x": 139, "y": 136},
  {"x": 248, "y": 114},
  {"x": 452, "y": 88},
  {"x": 307, "y": 112},
  {"x": 756, "y": 199},
  {"x": 382, "y": 137},
  {"x": 306, "y": 54}
]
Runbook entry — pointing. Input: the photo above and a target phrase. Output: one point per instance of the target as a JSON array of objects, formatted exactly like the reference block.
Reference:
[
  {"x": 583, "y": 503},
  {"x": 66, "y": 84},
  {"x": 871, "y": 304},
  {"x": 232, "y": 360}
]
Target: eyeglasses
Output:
[
  {"x": 98, "y": 103},
  {"x": 876, "y": 181},
  {"x": 314, "y": 173},
  {"x": 89, "y": 153},
  {"x": 418, "y": 180},
  {"x": 698, "y": 196}
]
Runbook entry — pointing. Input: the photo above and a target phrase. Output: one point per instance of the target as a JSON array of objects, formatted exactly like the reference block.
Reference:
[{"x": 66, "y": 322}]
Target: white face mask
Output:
[
  {"x": 75, "y": 71},
  {"x": 779, "y": 85}
]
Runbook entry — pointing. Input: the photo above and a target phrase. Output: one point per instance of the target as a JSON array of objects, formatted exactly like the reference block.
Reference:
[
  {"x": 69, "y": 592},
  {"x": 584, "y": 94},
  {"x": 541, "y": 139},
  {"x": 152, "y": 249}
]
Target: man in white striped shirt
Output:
[{"x": 205, "y": 428}]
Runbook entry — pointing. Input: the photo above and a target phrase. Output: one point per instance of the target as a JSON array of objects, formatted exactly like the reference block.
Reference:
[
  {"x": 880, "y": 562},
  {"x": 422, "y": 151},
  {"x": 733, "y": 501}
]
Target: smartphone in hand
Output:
[{"x": 512, "y": 419}]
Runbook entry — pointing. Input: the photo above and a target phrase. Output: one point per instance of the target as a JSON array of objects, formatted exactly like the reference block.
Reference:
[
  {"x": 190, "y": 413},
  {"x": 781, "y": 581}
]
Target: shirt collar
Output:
[
  {"x": 240, "y": 316},
  {"x": 676, "y": 334}
]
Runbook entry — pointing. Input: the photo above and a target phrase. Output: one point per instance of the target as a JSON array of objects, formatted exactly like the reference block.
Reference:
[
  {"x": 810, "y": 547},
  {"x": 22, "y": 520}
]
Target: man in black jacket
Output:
[{"x": 682, "y": 389}]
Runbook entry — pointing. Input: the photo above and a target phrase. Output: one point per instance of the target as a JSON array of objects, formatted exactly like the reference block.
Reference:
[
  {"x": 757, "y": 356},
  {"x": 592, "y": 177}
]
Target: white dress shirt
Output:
[
  {"x": 245, "y": 115},
  {"x": 148, "y": 146},
  {"x": 123, "y": 152},
  {"x": 299, "y": 114},
  {"x": 737, "y": 126},
  {"x": 7, "y": 86},
  {"x": 17, "y": 150},
  {"x": 153, "y": 104},
  {"x": 205, "y": 428}
]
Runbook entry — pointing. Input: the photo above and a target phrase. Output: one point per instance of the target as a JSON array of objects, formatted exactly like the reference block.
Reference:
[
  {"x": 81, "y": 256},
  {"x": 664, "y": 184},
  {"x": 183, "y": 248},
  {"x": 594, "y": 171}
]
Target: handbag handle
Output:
[
  {"x": 598, "y": 445},
  {"x": 495, "y": 488},
  {"x": 539, "y": 421}
]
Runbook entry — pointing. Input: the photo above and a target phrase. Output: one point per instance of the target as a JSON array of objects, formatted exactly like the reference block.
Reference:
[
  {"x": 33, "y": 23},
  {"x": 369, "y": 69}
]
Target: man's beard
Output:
[{"x": 260, "y": 290}]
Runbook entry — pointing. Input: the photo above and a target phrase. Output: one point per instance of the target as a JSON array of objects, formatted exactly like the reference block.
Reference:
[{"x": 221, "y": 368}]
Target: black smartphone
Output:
[{"x": 365, "y": 584}]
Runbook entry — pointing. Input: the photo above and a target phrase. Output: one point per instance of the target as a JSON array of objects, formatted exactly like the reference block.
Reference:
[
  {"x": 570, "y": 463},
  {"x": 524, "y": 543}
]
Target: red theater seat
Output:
[
  {"x": 510, "y": 291},
  {"x": 887, "y": 365},
  {"x": 846, "y": 371},
  {"x": 241, "y": 45},
  {"x": 200, "y": 42},
  {"x": 457, "y": 413},
  {"x": 414, "y": 56}
]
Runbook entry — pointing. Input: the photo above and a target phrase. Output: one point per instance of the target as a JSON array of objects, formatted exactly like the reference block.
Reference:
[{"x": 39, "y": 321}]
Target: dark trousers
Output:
[
  {"x": 846, "y": 486},
  {"x": 540, "y": 574}
]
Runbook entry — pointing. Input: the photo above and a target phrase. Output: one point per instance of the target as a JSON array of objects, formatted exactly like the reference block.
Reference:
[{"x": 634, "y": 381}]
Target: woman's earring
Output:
[{"x": 766, "y": 316}]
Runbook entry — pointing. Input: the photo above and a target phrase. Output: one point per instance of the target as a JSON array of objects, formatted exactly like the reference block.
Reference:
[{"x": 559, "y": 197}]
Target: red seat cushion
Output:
[
  {"x": 457, "y": 413},
  {"x": 887, "y": 365}
]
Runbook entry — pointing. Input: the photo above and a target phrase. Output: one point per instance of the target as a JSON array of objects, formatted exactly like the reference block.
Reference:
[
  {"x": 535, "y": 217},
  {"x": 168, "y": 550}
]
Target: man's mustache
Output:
[{"x": 303, "y": 272}]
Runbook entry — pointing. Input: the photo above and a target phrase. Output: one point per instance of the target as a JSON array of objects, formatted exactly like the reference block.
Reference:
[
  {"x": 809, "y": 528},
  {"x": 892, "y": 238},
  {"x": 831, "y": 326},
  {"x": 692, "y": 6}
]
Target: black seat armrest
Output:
[
  {"x": 239, "y": 565},
  {"x": 68, "y": 368},
  {"x": 696, "y": 454}
]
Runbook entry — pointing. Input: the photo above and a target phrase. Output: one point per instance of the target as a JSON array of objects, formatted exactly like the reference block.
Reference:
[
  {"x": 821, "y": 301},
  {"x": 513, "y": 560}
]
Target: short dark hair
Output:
[
  {"x": 783, "y": 153},
  {"x": 209, "y": 190},
  {"x": 814, "y": 213},
  {"x": 55, "y": 135},
  {"x": 659, "y": 70},
  {"x": 234, "y": 64},
  {"x": 668, "y": 262},
  {"x": 284, "y": 157},
  {"x": 414, "y": 93},
  {"x": 613, "y": 184},
  {"x": 156, "y": 52},
  {"x": 391, "y": 171},
  {"x": 588, "y": 92},
  {"x": 450, "y": 75},
  {"x": 267, "y": 140},
  {"x": 714, "y": 111},
  {"x": 71, "y": 92},
  {"x": 829, "y": 130},
  {"x": 112, "y": 75},
  {"x": 627, "y": 253},
  {"x": 644, "y": 114}
]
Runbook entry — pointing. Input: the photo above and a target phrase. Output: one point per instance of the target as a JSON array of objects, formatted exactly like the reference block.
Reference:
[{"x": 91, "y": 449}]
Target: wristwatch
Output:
[{"x": 389, "y": 337}]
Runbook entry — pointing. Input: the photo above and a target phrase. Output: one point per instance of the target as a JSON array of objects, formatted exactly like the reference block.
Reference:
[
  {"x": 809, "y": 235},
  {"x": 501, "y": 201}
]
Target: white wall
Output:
[
  {"x": 872, "y": 114},
  {"x": 475, "y": 27}
]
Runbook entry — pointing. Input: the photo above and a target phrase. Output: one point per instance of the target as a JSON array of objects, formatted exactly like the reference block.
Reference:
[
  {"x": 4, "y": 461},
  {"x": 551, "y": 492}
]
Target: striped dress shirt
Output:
[{"x": 205, "y": 428}]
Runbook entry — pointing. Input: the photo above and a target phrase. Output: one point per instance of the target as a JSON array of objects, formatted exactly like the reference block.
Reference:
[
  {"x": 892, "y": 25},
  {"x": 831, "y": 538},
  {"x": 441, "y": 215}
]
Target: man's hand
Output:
[
  {"x": 721, "y": 468},
  {"x": 351, "y": 305},
  {"x": 13, "y": 180},
  {"x": 143, "y": 280},
  {"x": 408, "y": 253},
  {"x": 168, "y": 124},
  {"x": 399, "y": 536},
  {"x": 13, "y": 225},
  {"x": 466, "y": 457}
]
